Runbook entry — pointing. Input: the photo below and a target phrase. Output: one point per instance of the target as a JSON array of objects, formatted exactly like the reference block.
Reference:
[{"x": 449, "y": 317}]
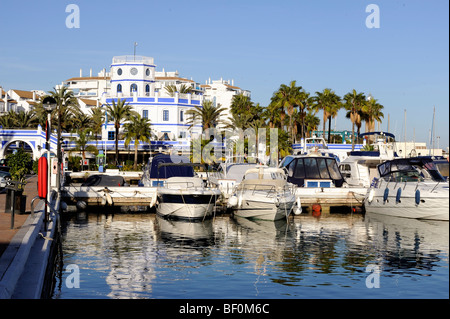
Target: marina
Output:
[{"x": 271, "y": 152}]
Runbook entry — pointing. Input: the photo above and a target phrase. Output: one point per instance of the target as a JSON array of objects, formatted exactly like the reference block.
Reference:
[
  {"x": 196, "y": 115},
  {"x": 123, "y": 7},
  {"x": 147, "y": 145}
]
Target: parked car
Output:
[{"x": 4, "y": 178}]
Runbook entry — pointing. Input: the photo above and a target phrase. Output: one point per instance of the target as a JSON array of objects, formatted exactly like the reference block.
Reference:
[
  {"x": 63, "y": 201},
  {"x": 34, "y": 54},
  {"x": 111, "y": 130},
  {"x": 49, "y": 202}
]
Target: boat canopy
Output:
[
  {"x": 181, "y": 167},
  {"x": 413, "y": 164},
  {"x": 301, "y": 168}
]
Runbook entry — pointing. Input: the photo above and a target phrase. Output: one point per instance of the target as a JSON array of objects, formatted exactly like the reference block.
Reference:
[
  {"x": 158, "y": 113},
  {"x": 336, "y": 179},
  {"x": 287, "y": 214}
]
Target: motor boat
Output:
[
  {"x": 360, "y": 167},
  {"x": 181, "y": 193},
  {"x": 264, "y": 194},
  {"x": 410, "y": 188},
  {"x": 319, "y": 182},
  {"x": 229, "y": 175}
]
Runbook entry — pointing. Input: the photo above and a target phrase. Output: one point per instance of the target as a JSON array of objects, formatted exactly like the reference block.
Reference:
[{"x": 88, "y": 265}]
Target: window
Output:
[
  {"x": 111, "y": 135},
  {"x": 311, "y": 169},
  {"x": 147, "y": 72},
  {"x": 165, "y": 115},
  {"x": 334, "y": 170},
  {"x": 119, "y": 88},
  {"x": 181, "y": 116},
  {"x": 119, "y": 71},
  {"x": 133, "y": 88},
  {"x": 147, "y": 89},
  {"x": 145, "y": 114},
  {"x": 299, "y": 169},
  {"x": 133, "y": 71}
]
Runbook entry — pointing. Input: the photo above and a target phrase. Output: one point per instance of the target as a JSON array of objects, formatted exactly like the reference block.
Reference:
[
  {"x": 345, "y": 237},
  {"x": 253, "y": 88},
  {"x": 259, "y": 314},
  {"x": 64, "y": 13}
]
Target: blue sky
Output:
[{"x": 260, "y": 44}]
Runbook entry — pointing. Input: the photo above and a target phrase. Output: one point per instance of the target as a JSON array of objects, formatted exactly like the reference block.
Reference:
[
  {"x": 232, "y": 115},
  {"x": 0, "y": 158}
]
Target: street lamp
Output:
[
  {"x": 49, "y": 104},
  {"x": 58, "y": 151}
]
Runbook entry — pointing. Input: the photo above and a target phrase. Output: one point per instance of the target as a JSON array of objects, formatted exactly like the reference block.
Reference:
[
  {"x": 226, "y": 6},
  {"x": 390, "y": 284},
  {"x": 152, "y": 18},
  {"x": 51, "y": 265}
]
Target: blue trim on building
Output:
[{"x": 132, "y": 80}]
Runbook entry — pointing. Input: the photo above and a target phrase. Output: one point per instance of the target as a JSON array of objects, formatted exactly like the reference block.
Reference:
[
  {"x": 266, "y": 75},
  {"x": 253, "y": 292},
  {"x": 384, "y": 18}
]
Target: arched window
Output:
[
  {"x": 133, "y": 88},
  {"x": 147, "y": 89},
  {"x": 119, "y": 88}
]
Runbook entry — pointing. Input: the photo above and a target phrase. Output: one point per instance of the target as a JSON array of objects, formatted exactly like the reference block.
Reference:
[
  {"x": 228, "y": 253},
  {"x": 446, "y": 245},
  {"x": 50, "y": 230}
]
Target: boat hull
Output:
[
  {"x": 177, "y": 205},
  {"x": 430, "y": 205},
  {"x": 263, "y": 209}
]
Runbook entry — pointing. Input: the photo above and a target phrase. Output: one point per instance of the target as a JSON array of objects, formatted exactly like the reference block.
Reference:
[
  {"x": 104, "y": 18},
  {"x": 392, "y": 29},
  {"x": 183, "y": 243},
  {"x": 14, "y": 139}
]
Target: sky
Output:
[{"x": 403, "y": 61}]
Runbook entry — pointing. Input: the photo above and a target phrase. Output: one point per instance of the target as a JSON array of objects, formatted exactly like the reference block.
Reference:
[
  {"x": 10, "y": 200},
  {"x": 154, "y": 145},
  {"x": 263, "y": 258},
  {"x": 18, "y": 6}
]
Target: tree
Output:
[
  {"x": 171, "y": 89},
  {"x": 371, "y": 112},
  {"x": 207, "y": 115},
  {"x": 67, "y": 107},
  {"x": 286, "y": 99},
  {"x": 354, "y": 102},
  {"x": 137, "y": 129},
  {"x": 81, "y": 143},
  {"x": 330, "y": 103},
  {"x": 97, "y": 121},
  {"x": 118, "y": 112}
]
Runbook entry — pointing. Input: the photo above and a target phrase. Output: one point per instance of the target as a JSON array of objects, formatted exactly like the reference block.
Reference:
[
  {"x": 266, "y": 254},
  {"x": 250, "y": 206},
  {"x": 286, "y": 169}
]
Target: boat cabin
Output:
[
  {"x": 412, "y": 169},
  {"x": 312, "y": 171}
]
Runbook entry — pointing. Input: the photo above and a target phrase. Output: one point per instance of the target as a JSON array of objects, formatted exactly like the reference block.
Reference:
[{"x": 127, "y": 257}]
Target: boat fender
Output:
[
  {"x": 298, "y": 211},
  {"x": 232, "y": 201},
  {"x": 81, "y": 205},
  {"x": 371, "y": 194},
  {"x": 386, "y": 194},
  {"x": 417, "y": 197},
  {"x": 240, "y": 201},
  {"x": 153, "y": 201},
  {"x": 399, "y": 194},
  {"x": 109, "y": 199}
]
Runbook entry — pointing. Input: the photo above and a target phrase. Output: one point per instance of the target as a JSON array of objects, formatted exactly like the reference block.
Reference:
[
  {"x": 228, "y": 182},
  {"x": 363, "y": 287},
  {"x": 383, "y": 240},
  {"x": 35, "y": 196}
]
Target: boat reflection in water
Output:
[
  {"x": 146, "y": 256},
  {"x": 183, "y": 230}
]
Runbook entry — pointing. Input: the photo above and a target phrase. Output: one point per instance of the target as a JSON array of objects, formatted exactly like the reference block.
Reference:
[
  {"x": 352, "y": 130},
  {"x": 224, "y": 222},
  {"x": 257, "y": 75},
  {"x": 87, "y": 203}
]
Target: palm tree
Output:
[
  {"x": 241, "y": 103},
  {"x": 330, "y": 103},
  {"x": 207, "y": 114},
  {"x": 81, "y": 143},
  {"x": 137, "y": 129},
  {"x": 97, "y": 120},
  {"x": 371, "y": 112},
  {"x": 353, "y": 104},
  {"x": 286, "y": 99},
  {"x": 26, "y": 119},
  {"x": 8, "y": 120},
  {"x": 171, "y": 89},
  {"x": 118, "y": 112},
  {"x": 311, "y": 122},
  {"x": 67, "y": 106}
]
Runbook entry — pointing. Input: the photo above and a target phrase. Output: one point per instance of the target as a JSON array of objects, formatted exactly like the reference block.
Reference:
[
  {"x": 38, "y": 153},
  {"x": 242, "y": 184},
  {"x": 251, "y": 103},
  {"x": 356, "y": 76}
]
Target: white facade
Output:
[
  {"x": 135, "y": 79},
  {"x": 18, "y": 100},
  {"x": 222, "y": 92}
]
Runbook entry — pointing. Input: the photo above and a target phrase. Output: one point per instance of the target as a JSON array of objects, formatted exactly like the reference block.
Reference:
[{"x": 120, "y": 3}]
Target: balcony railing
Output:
[{"x": 132, "y": 58}]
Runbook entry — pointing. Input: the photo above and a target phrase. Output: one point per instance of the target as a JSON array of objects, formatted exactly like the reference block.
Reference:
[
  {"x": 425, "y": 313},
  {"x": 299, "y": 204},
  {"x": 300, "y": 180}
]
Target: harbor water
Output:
[{"x": 343, "y": 256}]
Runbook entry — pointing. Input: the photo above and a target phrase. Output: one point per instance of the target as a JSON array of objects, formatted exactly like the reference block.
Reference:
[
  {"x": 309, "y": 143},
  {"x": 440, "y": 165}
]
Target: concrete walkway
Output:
[
  {"x": 6, "y": 233},
  {"x": 25, "y": 248}
]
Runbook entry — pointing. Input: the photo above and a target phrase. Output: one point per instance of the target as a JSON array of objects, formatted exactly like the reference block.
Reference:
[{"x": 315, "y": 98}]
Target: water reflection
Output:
[{"x": 145, "y": 256}]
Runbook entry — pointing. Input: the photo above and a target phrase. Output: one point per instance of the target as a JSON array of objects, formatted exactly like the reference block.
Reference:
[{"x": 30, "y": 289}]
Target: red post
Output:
[{"x": 42, "y": 177}]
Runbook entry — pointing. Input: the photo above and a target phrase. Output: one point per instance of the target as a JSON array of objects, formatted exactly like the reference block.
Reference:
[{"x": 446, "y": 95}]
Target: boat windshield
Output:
[{"x": 410, "y": 169}]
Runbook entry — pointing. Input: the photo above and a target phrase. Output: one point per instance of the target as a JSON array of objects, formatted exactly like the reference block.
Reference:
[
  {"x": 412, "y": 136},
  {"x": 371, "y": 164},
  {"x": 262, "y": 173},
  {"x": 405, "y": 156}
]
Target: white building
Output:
[
  {"x": 18, "y": 100},
  {"x": 222, "y": 92},
  {"x": 135, "y": 79}
]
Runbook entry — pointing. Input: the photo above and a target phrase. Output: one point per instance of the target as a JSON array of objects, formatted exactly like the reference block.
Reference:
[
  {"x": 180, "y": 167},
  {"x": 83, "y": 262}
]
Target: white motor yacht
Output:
[
  {"x": 264, "y": 194},
  {"x": 410, "y": 188},
  {"x": 181, "y": 194},
  {"x": 360, "y": 167}
]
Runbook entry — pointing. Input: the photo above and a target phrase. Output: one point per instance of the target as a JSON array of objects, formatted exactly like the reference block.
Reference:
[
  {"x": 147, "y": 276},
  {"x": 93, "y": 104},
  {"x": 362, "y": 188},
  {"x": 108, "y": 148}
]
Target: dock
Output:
[{"x": 26, "y": 249}]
